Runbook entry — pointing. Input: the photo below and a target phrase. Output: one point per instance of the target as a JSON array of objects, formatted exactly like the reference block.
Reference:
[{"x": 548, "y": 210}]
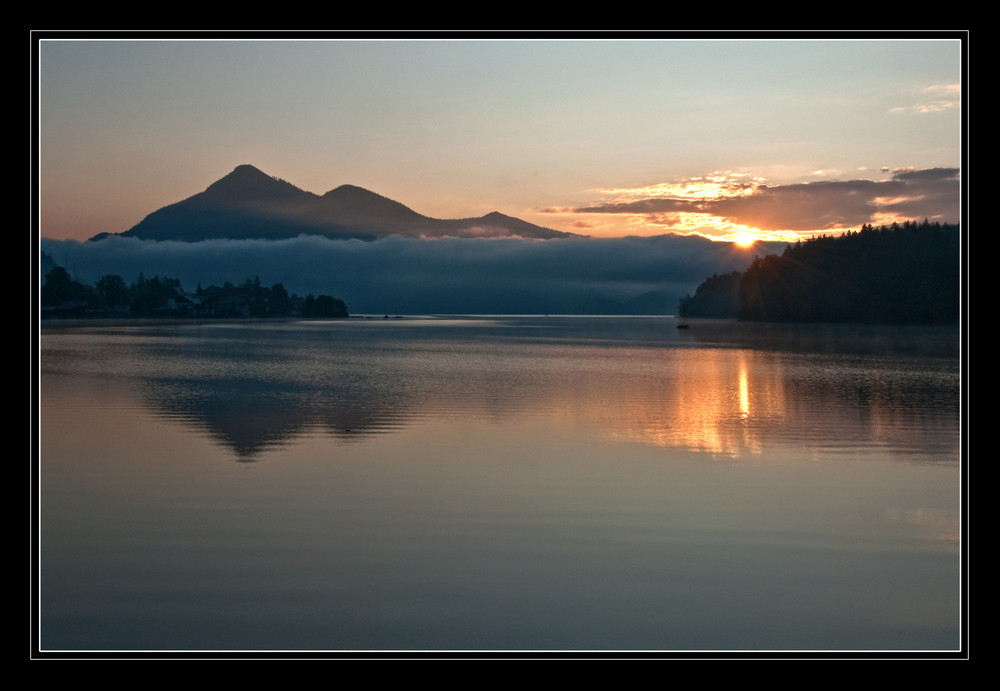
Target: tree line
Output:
[
  {"x": 906, "y": 273},
  {"x": 62, "y": 296}
]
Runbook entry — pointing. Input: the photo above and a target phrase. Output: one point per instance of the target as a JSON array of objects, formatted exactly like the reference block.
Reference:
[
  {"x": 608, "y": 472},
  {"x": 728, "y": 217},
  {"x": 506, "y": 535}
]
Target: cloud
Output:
[
  {"x": 810, "y": 206},
  {"x": 449, "y": 275},
  {"x": 938, "y": 97}
]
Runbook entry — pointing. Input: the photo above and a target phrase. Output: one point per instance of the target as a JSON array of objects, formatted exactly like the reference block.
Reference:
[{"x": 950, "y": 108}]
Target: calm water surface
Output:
[{"x": 507, "y": 483}]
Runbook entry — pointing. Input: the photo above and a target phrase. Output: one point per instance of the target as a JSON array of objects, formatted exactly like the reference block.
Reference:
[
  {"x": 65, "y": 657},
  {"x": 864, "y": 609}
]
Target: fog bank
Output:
[{"x": 415, "y": 276}]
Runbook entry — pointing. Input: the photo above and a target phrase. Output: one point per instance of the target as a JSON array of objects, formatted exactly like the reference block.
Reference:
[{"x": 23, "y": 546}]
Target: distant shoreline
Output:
[{"x": 169, "y": 321}]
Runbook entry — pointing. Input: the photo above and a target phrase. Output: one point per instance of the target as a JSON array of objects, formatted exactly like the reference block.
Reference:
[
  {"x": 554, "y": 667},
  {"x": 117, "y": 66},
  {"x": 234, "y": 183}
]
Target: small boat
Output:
[{"x": 682, "y": 325}]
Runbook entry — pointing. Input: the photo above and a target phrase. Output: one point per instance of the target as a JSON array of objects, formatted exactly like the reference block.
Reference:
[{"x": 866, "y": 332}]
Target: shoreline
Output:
[{"x": 168, "y": 321}]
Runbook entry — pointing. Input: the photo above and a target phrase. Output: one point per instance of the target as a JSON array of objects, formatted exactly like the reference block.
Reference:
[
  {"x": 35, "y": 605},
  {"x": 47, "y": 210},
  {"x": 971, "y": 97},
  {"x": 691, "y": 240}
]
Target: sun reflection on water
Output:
[
  {"x": 712, "y": 404},
  {"x": 744, "y": 391}
]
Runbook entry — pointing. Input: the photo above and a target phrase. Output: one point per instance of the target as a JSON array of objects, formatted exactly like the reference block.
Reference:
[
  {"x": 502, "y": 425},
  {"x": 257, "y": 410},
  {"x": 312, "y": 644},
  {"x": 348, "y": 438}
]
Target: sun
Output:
[{"x": 745, "y": 239}]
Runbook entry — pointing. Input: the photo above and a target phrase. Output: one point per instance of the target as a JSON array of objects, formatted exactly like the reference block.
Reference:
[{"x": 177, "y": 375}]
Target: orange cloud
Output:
[{"x": 724, "y": 204}]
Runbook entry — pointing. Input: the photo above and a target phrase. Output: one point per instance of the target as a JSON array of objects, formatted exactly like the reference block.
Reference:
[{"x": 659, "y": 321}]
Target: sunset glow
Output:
[
  {"x": 685, "y": 207},
  {"x": 681, "y": 141},
  {"x": 716, "y": 185},
  {"x": 744, "y": 208}
]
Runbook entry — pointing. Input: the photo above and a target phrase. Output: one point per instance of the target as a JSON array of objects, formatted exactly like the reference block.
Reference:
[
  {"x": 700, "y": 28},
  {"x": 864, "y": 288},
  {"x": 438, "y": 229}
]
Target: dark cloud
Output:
[
  {"x": 929, "y": 193},
  {"x": 806, "y": 206},
  {"x": 913, "y": 194},
  {"x": 656, "y": 205},
  {"x": 926, "y": 175},
  {"x": 431, "y": 276}
]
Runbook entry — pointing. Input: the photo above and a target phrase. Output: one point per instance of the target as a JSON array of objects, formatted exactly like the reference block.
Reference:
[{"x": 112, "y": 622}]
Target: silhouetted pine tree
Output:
[{"x": 905, "y": 274}]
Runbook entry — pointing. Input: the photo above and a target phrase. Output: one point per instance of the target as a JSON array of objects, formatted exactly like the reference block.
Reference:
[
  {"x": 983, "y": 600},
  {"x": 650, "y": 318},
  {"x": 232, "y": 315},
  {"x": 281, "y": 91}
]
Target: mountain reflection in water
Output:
[
  {"x": 499, "y": 483},
  {"x": 722, "y": 388}
]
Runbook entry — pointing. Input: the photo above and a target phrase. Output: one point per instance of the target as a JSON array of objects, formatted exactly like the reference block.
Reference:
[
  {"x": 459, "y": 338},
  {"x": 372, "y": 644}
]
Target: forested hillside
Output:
[
  {"x": 63, "y": 297},
  {"x": 902, "y": 274}
]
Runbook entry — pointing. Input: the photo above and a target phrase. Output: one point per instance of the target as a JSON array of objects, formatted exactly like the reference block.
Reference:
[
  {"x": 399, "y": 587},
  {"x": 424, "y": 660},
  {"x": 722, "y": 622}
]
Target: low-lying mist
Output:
[{"x": 633, "y": 275}]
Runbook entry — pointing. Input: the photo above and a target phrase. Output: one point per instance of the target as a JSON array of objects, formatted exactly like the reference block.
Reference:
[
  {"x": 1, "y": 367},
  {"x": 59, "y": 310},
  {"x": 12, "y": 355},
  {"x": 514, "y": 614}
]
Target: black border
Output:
[{"x": 36, "y": 36}]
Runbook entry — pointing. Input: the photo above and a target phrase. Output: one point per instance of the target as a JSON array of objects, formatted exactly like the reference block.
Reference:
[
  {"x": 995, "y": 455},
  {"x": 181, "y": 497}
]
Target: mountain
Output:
[{"x": 250, "y": 204}]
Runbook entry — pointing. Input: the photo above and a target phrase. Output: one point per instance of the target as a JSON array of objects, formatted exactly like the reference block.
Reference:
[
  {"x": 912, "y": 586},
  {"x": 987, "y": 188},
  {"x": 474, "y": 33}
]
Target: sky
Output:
[{"x": 602, "y": 136}]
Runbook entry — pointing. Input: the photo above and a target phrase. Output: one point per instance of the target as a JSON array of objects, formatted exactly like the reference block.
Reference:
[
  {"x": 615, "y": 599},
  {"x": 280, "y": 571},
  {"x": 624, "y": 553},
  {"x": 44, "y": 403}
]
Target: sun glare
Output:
[{"x": 685, "y": 207}]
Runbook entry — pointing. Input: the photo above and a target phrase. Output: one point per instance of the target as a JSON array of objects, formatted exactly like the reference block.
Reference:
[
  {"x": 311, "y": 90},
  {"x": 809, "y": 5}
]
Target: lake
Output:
[{"x": 499, "y": 484}]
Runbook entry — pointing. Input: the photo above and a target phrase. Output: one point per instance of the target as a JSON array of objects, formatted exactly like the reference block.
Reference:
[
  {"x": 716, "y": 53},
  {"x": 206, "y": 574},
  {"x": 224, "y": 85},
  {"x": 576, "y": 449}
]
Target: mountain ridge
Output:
[{"x": 250, "y": 204}]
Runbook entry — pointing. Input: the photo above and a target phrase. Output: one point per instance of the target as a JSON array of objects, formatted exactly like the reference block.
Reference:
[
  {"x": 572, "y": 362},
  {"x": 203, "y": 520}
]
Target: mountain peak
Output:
[
  {"x": 244, "y": 173},
  {"x": 246, "y": 181},
  {"x": 250, "y": 204}
]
